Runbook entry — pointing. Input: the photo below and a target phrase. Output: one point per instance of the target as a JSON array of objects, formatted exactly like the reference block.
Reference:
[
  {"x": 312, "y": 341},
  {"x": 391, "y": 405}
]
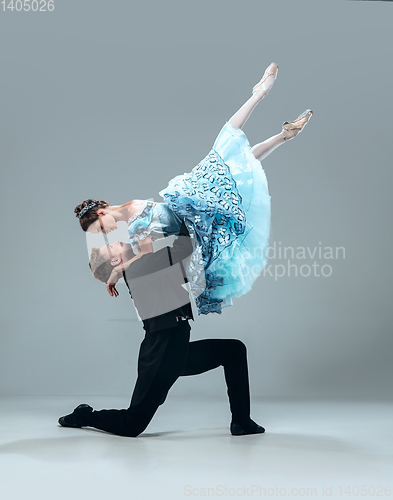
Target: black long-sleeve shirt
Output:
[{"x": 155, "y": 284}]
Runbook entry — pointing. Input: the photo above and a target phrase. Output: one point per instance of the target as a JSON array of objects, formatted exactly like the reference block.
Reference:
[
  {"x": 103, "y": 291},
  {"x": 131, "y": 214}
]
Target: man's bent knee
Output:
[{"x": 240, "y": 346}]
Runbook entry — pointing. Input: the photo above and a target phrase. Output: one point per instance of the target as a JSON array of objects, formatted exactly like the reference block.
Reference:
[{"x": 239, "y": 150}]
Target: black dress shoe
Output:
[
  {"x": 242, "y": 430},
  {"x": 72, "y": 419}
]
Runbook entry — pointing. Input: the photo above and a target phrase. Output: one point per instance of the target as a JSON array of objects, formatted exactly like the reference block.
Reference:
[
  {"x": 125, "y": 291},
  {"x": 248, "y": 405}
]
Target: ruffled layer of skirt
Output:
[{"x": 226, "y": 206}]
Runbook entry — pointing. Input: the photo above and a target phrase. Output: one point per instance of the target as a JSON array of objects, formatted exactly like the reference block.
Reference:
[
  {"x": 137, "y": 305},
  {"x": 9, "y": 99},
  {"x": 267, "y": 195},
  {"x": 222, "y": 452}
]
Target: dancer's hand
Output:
[
  {"x": 111, "y": 284},
  {"x": 117, "y": 272}
]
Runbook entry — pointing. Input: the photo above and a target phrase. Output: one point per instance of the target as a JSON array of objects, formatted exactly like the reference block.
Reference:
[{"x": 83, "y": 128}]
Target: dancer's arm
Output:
[{"x": 117, "y": 272}]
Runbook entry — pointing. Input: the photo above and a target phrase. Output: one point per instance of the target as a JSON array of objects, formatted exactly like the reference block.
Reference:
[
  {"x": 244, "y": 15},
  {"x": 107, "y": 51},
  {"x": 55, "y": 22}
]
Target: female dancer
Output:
[{"x": 224, "y": 202}]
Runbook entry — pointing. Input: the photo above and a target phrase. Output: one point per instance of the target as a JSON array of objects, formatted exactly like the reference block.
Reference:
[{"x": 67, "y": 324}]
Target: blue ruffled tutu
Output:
[{"x": 225, "y": 204}]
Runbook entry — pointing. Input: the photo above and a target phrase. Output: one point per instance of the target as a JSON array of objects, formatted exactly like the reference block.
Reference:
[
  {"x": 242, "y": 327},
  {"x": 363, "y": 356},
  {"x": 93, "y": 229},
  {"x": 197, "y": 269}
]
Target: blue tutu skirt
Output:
[{"x": 225, "y": 204}]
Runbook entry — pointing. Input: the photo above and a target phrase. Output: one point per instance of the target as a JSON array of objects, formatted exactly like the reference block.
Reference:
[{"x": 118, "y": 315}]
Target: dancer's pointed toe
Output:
[
  {"x": 292, "y": 129},
  {"x": 262, "y": 88}
]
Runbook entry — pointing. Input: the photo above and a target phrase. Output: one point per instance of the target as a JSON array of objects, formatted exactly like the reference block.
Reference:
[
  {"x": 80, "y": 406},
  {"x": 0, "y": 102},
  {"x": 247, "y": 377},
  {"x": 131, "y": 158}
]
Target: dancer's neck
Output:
[{"x": 121, "y": 212}]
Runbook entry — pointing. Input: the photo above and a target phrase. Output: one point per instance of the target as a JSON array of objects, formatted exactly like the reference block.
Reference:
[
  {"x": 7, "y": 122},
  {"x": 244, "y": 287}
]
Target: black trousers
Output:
[{"x": 180, "y": 358}]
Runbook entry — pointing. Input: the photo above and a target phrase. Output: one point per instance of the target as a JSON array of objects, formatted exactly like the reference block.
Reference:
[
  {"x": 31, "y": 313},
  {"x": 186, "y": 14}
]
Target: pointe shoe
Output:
[
  {"x": 261, "y": 88},
  {"x": 292, "y": 129}
]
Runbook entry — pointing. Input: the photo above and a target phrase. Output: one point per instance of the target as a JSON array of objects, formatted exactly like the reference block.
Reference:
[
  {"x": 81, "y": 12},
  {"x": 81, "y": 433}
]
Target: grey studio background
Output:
[{"x": 112, "y": 100}]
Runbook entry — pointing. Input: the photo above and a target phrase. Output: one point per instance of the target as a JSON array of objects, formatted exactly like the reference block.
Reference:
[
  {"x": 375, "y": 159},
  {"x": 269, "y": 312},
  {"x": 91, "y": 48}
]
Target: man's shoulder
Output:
[{"x": 149, "y": 263}]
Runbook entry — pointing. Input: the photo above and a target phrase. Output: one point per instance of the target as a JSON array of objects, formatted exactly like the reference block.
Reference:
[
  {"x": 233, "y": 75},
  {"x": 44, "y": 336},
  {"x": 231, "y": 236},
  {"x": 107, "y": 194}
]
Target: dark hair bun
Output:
[
  {"x": 99, "y": 204},
  {"x": 90, "y": 215}
]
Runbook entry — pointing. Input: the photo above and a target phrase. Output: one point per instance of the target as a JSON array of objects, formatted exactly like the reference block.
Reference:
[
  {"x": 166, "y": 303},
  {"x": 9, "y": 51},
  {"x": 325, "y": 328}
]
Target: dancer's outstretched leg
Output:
[
  {"x": 263, "y": 149},
  {"x": 241, "y": 116},
  {"x": 289, "y": 131},
  {"x": 259, "y": 91},
  {"x": 133, "y": 421}
]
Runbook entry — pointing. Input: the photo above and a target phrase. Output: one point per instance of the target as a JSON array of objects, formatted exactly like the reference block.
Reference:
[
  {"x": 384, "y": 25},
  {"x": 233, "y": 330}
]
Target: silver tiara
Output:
[{"x": 85, "y": 209}]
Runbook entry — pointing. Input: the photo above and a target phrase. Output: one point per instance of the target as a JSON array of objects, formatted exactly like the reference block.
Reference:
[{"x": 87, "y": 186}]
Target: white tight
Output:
[{"x": 262, "y": 149}]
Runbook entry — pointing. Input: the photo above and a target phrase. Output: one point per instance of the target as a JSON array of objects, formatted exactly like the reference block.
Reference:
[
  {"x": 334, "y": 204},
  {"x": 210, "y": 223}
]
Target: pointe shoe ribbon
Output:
[
  {"x": 291, "y": 129},
  {"x": 271, "y": 70}
]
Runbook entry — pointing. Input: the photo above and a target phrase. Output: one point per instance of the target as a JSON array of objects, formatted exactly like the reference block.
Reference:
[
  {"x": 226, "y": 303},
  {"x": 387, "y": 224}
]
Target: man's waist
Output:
[{"x": 168, "y": 321}]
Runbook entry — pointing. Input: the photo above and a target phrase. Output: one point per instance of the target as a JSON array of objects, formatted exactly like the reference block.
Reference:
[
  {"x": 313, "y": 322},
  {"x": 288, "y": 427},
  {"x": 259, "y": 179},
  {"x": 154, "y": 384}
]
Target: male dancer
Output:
[{"x": 155, "y": 280}]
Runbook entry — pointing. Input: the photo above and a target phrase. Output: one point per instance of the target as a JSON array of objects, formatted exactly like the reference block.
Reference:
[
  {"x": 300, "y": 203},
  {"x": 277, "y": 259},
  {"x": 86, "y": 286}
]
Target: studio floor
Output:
[{"x": 311, "y": 449}]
